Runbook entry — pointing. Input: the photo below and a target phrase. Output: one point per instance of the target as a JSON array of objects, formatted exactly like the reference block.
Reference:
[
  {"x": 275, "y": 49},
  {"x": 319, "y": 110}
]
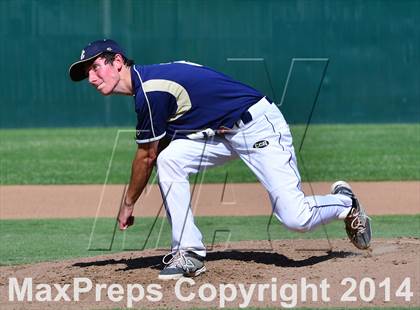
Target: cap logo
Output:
[
  {"x": 109, "y": 49},
  {"x": 82, "y": 55}
]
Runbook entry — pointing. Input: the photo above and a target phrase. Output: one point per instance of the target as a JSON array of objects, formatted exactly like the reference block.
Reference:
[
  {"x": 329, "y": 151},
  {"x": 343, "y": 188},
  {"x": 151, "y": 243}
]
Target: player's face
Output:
[{"x": 104, "y": 77}]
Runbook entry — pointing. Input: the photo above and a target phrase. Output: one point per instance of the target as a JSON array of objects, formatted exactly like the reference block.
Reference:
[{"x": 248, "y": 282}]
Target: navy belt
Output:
[{"x": 246, "y": 116}]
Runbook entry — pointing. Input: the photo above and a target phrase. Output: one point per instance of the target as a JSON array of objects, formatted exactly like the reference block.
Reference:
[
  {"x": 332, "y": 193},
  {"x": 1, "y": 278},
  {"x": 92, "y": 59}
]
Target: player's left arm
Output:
[{"x": 141, "y": 169}]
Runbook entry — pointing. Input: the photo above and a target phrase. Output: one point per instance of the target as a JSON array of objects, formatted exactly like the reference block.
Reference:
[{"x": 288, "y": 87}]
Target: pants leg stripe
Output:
[
  {"x": 291, "y": 155},
  {"x": 330, "y": 205}
]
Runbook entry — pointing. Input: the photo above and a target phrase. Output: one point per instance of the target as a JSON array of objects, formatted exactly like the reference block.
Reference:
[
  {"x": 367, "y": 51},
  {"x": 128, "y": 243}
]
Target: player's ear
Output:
[{"x": 118, "y": 61}]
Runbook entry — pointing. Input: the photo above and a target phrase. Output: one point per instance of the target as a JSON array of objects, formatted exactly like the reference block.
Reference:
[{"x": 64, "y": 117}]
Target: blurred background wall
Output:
[{"x": 371, "y": 47}]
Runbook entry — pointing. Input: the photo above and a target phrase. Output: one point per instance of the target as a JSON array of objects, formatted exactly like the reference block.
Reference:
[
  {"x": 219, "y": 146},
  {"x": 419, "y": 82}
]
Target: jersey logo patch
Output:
[{"x": 260, "y": 144}]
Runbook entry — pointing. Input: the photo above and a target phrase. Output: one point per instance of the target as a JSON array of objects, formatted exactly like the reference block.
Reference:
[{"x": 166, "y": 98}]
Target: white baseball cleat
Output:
[
  {"x": 357, "y": 222},
  {"x": 182, "y": 264}
]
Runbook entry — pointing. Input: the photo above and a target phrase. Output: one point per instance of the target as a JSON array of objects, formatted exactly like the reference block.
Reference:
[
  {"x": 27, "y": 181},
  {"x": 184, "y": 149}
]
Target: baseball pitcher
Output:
[{"x": 209, "y": 119}]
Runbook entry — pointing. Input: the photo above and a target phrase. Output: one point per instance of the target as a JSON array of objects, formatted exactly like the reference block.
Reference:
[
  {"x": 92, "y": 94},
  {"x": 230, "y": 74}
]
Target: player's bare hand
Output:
[{"x": 125, "y": 217}]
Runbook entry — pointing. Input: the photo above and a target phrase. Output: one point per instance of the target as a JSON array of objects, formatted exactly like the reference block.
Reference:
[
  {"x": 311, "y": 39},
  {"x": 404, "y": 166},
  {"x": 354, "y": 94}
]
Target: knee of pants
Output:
[
  {"x": 296, "y": 225},
  {"x": 170, "y": 167},
  {"x": 291, "y": 211},
  {"x": 299, "y": 222}
]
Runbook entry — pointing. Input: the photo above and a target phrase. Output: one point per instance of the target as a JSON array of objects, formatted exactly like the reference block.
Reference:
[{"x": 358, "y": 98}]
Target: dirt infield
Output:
[
  {"x": 72, "y": 201},
  {"x": 269, "y": 277},
  {"x": 250, "y": 273}
]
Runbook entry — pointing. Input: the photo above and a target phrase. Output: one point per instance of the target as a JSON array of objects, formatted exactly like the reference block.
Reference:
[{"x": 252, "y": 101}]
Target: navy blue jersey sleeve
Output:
[{"x": 153, "y": 112}]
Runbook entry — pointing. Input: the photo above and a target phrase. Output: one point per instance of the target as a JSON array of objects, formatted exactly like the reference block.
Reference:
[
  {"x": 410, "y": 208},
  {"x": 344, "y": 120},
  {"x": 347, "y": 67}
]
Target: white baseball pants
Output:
[{"x": 274, "y": 165}]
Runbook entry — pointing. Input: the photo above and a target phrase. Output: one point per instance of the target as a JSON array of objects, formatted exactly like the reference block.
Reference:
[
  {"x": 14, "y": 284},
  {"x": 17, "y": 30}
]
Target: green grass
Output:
[
  {"x": 330, "y": 152},
  {"x": 28, "y": 241}
]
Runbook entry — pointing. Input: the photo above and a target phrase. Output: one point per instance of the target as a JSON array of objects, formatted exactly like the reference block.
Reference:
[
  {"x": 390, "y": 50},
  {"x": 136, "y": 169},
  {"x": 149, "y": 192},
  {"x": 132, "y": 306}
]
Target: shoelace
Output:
[
  {"x": 357, "y": 224},
  {"x": 177, "y": 260}
]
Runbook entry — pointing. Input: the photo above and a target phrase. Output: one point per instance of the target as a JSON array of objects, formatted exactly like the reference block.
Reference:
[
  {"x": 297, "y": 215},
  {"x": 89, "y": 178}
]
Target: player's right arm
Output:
[
  {"x": 141, "y": 169},
  {"x": 153, "y": 109}
]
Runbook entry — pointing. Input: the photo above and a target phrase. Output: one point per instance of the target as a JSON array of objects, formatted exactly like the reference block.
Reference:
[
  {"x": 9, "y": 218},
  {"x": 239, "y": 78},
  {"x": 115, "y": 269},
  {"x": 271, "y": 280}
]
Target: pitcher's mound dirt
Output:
[{"x": 273, "y": 274}]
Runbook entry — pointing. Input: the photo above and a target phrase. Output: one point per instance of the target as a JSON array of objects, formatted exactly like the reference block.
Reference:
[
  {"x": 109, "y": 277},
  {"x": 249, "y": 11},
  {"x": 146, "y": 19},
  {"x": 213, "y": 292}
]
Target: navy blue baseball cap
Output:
[{"x": 89, "y": 53}]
